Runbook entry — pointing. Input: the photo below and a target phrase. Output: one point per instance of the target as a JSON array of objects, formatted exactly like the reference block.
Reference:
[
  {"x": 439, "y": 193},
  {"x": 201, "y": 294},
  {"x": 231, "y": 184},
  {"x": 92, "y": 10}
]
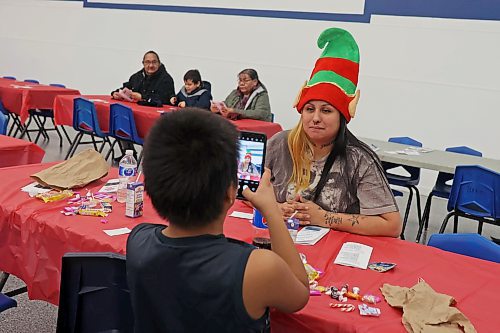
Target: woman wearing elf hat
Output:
[{"x": 320, "y": 168}]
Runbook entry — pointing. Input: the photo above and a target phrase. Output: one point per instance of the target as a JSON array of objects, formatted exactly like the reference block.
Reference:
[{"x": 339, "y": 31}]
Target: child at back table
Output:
[{"x": 195, "y": 93}]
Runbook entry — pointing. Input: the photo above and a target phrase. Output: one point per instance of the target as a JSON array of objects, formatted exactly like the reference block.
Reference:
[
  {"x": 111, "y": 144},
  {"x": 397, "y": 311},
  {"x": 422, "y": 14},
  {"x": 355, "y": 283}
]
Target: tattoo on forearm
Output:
[
  {"x": 331, "y": 219},
  {"x": 354, "y": 219}
]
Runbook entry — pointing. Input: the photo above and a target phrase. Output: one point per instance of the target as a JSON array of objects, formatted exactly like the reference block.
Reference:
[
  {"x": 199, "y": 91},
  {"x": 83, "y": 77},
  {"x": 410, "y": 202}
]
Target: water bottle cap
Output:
[{"x": 129, "y": 152}]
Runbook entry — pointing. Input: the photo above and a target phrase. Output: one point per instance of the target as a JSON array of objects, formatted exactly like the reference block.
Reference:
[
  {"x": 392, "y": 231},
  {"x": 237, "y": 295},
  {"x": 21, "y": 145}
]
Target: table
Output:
[
  {"x": 34, "y": 236},
  {"x": 19, "y": 97},
  {"x": 438, "y": 160},
  {"x": 144, "y": 116},
  {"x": 17, "y": 152}
]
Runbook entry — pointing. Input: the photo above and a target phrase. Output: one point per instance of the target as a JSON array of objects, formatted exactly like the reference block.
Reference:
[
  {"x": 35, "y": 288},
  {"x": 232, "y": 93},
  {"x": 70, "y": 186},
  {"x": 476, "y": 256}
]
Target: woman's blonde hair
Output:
[{"x": 301, "y": 151}]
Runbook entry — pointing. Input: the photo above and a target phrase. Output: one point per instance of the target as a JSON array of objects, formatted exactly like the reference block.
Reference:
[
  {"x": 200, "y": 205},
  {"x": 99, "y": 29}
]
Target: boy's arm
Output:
[{"x": 276, "y": 278}]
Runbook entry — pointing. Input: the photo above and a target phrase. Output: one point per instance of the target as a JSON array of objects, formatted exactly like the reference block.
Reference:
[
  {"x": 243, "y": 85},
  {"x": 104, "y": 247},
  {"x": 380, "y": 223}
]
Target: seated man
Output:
[
  {"x": 152, "y": 85},
  {"x": 188, "y": 277}
]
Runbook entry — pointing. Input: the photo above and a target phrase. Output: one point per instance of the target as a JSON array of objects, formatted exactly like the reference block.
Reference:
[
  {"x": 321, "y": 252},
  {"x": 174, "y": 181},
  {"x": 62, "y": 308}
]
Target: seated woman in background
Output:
[
  {"x": 320, "y": 169},
  {"x": 249, "y": 100},
  {"x": 195, "y": 93}
]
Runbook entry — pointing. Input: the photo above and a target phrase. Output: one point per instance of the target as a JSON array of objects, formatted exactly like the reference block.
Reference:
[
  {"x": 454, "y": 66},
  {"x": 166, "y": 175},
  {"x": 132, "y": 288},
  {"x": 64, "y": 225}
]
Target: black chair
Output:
[{"x": 94, "y": 295}]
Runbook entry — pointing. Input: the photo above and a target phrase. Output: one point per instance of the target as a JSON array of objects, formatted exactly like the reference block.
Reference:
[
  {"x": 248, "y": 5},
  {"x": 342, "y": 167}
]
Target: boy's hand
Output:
[
  {"x": 263, "y": 199},
  {"x": 173, "y": 100},
  {"x": 182, "y": 104}
]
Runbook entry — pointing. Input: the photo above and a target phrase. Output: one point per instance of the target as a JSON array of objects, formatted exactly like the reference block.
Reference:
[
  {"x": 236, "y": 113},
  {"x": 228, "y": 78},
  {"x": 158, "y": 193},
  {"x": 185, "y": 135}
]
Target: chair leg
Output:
[
  {"x": 407, "y": 213},
  {"x": 445, "y": 222},
  {"x": 455, "y": 224},
  {"x": 139, "y": 160},
  {"x": 110, "y": 152},
  {"x": 64, "y": 130},
  {"x": 74, "y": 145},
  {"x": 480, "y": 227},
  {"x": 3, "y": 279},
  {"x": 425, "y": 218},
  {"x": 58, "y": 133}
]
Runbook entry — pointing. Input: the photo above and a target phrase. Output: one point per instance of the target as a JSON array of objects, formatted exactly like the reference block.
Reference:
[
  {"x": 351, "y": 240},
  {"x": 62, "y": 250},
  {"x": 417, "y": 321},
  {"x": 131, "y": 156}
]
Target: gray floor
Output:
[{"x": 40, "y": 317}]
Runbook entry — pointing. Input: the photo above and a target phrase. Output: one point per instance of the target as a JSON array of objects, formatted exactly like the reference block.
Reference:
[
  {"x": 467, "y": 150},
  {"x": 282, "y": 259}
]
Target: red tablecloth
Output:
[
  {"x": 17, "y": 152},
  {"x": 144, "y": 116},
  {"x": 34, "y": 236},
  {"x": 19, "y": 97}
]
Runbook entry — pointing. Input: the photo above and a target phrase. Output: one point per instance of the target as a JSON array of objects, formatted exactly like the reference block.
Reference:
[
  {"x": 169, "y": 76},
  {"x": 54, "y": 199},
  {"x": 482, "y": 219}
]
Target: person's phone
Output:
[{"x": 251, "y": 160}]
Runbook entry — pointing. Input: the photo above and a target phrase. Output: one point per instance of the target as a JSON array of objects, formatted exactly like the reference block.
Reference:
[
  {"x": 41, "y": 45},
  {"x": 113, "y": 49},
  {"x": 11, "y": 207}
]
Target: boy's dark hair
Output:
[
  {"x": 193, "y": 75},
  {"x": 190, "y": 161}
]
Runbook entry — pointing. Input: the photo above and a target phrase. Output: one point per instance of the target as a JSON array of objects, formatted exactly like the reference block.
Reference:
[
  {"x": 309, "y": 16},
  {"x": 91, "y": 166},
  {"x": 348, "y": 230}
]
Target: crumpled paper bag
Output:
[
  {"x": 78, "y": 171},
  {"x": 425, "y": 311}
]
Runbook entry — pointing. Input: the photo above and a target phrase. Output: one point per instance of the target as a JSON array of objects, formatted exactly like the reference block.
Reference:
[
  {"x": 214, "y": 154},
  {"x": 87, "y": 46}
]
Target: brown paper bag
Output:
[
  {"x": 78, "y": 171},
  {"x": 425, "y": 311}
]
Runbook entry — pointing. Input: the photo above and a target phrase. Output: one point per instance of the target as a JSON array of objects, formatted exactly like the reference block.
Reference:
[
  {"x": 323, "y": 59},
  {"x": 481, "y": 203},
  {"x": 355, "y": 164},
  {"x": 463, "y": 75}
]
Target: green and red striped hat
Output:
[{"x": 335, "y": 75}]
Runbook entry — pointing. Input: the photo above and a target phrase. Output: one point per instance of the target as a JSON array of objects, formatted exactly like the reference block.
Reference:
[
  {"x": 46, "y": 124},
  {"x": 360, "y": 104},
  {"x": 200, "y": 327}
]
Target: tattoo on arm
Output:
[
  {"x": 331, "y": 219},
  {"x": 354, "y": 219}
]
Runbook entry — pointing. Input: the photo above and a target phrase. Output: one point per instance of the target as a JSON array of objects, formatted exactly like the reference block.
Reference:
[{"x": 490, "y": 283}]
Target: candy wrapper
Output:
[
  {"x": 312, "y": 275},
  {"x": 52, "y": 196},
  {"x": 366, "y": 310}
]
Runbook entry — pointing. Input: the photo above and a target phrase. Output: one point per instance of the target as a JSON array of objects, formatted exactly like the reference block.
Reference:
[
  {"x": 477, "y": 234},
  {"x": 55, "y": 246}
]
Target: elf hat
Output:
[{"x": 335, "y": 74}]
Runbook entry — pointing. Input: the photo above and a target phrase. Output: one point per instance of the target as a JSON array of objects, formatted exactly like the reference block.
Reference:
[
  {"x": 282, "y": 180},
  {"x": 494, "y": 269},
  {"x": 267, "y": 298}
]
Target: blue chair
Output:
[
  {"x": 6, "y": 302},
  {"x": 10, "y": 77},
  {"x": 472, "y": 245},
  {"x": 85, "y": 123},
  {"x": 42, "y": 115},
  {"x": 4, "y": 122},
  {"x": 32, "y": 81},
  {"x": 475, "y": 194},
  {"x": 122, "y": 127},
  {"x": 94, "y": 294},
  {"x": 441, "y": 189},
  {"x": 409, "y": 182}
]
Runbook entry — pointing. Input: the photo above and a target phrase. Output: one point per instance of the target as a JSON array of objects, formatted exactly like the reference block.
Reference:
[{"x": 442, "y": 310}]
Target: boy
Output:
[
  {"x": 188, "y": 277},
  {"x": 195, "y": 93}
]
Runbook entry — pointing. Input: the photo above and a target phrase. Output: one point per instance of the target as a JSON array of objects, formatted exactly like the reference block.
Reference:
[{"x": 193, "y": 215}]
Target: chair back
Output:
[
  {"x": 122, "y": 124},
  {"x": 85, "y": 117},
  {"x": 475, "y": 191},
  {"x": 413, "y": 171},
  {"x": 443, "y": 177},
  {"x": 94, "y": 295},
  {"x": 3, "y": 109},
  {"x": 472, "y": 245},
  {"x": 10, "y": 77},
  {"x": 32, "y": 81},
  {"x": 4, "y": 122},
  {"x": 60, "y": 85}
]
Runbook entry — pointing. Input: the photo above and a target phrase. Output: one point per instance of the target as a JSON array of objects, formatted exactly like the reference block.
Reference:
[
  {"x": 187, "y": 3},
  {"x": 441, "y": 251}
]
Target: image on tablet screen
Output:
[{"x": 250, "y": 160}]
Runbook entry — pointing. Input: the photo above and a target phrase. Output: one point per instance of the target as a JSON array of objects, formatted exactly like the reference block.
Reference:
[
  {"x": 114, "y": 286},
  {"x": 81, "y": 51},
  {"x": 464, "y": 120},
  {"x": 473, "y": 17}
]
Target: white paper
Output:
[
  {"x": 116, "y": 232},
  {"x": 310, "y": 235},
  {"x": 111, "y": 186},
  {"x": 242, "y": 215},
  {"x": 98, "y": 100},
  {"x": 34, "y": 189},
  {"x": 354, "y": 255}
]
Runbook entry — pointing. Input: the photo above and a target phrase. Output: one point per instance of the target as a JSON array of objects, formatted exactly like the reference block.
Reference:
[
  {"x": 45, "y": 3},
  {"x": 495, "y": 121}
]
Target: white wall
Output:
[{"x": 436, "y": 80}]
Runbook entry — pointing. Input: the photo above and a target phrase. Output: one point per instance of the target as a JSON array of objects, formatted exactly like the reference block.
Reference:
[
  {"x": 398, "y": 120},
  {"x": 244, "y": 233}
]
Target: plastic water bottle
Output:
[{"x": 127, "y": 170}]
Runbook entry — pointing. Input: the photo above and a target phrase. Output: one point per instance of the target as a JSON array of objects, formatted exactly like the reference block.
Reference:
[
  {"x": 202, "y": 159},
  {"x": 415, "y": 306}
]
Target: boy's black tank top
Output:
[{"x": 191, "y": 284}]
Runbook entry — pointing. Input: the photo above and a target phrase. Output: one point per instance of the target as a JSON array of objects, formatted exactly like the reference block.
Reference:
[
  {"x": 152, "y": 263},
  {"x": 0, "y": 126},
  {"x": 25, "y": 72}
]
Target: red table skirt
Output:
[
  {"x": 19, "y": 97},
  {"x": 34, "y": 236},
  {"x": 144, "y": 116},
  {"x": 18, "y": 152}
]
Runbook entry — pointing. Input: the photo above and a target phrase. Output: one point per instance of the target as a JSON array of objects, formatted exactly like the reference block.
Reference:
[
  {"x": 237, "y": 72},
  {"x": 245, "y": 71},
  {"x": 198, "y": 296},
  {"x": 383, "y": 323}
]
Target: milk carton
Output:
[{"x": 135, "y": 199}]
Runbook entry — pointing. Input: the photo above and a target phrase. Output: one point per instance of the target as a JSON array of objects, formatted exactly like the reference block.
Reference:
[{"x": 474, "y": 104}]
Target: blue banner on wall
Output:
[{"x": 341, "y": 11}]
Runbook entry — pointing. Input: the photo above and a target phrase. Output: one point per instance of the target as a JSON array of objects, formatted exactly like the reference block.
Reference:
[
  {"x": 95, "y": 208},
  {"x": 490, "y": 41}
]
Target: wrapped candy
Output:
[{"x": 52, "y": 196}]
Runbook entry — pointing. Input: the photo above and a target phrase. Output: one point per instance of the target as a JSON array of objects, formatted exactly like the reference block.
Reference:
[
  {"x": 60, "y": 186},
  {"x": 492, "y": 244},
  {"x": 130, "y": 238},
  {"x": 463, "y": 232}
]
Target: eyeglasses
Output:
[
  {"x": 147, "y": 62},
  {"x": 245, "y": 81}
]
